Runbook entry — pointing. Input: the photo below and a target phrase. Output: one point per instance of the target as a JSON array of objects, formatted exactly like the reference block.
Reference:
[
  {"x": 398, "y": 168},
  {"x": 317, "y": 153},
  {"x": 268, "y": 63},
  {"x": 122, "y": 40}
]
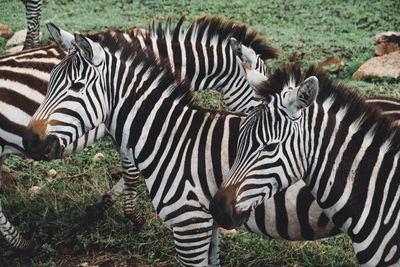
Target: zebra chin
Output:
[
  {"x": 37, "y": 148},
  {"x": 224, "y": 211}
]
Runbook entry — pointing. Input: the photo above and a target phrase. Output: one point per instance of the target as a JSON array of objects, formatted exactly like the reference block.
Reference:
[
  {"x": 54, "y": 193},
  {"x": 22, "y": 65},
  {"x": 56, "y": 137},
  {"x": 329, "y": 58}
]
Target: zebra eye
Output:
[
  {"x": 76, "y": 87},
  {"x": 270, "y": 146}
]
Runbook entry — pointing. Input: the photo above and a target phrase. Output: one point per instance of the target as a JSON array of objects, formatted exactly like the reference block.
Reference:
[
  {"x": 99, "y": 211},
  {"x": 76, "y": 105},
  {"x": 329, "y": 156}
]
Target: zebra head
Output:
[
  {"x": 72, "y": 105},
  {"x": 270, "y": 152}
]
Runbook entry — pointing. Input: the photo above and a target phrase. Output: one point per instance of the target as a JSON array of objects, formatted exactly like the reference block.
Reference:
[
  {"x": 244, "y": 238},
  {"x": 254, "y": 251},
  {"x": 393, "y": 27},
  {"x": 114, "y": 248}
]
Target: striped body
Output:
[
  {"x": 24, "y": 79},
  {"x": 201, "y": 53},
  {"x": 390, "y": 106},
  {"x": 33, "y": 11},
  {"x": 344, "y": 149},
  {"x": 183, "y": 152},
  {"x": 150, "y": 100}
]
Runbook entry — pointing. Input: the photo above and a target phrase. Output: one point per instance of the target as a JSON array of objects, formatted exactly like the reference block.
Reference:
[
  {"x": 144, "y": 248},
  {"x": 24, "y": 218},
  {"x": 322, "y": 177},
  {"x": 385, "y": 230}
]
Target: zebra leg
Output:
[
  {"x": 192, "y": 243},
  {"x": 107, "y": 200},
  {"x": 8, "y": 231},
  {"x": 33, "y": 10},
  {"x": 130, "y": 174},
  {"x": 213, "y": 253},
  {"x": 128, "y": 185}
]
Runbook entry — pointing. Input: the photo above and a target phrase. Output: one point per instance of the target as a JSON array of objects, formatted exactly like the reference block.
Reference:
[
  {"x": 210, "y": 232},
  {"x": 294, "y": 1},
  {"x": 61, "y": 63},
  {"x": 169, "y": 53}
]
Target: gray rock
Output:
[
  {"x": 19, "y": 38},
  {"x": 382, "y": 66},
  {"x": 14, "y": 49}
]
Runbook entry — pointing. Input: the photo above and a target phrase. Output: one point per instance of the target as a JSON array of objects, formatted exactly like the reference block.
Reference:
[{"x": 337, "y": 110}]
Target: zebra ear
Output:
[
  {"x": 62, "y": 38},
  {"x": 307, "y": 92},
  {"x": 90, "y": 50},
  {"x": 304, "y": 95},
  {"x": 236, "y": 47},
  {"x": 246, "y": 55}
]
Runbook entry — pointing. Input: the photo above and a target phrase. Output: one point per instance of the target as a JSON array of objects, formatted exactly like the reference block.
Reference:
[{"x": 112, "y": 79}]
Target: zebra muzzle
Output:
[
  {"x": 39, "y": 149},
  {"x": 224, "y": 211}
]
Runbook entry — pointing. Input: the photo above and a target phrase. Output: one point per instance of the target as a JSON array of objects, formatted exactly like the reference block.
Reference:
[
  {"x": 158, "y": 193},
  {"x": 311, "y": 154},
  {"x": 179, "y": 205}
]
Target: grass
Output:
[{"x": 55, "y": 216}]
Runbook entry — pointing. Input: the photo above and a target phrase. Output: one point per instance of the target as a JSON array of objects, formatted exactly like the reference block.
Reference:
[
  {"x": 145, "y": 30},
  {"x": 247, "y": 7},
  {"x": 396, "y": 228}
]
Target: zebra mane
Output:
[
  {"x": 216, "y": 29},
  {"x": 114, "y": 41},
  {"x": 371, "y": 116}
]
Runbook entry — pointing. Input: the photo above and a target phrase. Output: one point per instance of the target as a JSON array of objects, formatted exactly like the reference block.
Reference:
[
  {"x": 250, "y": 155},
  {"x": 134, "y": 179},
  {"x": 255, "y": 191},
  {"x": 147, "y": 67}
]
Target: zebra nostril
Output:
[{"x": 52, "y": 148}]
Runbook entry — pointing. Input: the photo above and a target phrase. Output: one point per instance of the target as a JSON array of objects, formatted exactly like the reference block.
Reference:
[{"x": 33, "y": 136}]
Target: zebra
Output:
[
  {"x": 182, "y": 151},
  {"x": 33, "y": 10},
  {"x": 23, "y": 84},
  {"x": 308, "y": 127},
  {"x": 23, "y": 79},
  {"x": 202, "y": 57}
]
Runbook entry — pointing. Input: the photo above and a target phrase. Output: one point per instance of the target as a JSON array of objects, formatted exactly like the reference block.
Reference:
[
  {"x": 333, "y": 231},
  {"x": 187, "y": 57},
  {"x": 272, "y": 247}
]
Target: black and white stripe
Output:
[
  {"x": 183, "y": 152},
  {"x": 345, "y": 150},
  {"x": 202, "y": 54},
  {"x": 28, "y": 73},
  {"x": 33, "y": 12},
  {"x": 24, "y": 78}
]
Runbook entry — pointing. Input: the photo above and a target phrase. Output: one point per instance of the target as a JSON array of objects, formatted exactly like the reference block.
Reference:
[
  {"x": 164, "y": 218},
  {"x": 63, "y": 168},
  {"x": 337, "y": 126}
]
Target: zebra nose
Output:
[
  {"x": 32, "y": 144},
  {"x": 40, "y": 149},
  {"x": 222, "y": 210}
]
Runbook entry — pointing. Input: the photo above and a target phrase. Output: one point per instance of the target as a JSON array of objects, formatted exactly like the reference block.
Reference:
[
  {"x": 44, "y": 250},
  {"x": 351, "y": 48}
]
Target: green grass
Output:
[{"x": 55, "y": 217}]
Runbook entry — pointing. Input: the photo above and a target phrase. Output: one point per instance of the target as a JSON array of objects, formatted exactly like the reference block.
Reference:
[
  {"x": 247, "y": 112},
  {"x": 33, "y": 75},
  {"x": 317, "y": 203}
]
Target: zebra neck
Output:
[
  {"x": 206, "y": 66},
  {"x": 354, "y": 172}
]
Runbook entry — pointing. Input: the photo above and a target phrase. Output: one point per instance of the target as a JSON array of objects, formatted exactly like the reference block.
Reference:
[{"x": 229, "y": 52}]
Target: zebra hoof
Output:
[
  {"x": 139, "y": 223},
  {"x": 92, "y": 213}
]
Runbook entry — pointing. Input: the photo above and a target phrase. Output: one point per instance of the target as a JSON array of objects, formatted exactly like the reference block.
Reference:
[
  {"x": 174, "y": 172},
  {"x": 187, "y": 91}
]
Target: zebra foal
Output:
[{"x": 345, "y": 150}]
